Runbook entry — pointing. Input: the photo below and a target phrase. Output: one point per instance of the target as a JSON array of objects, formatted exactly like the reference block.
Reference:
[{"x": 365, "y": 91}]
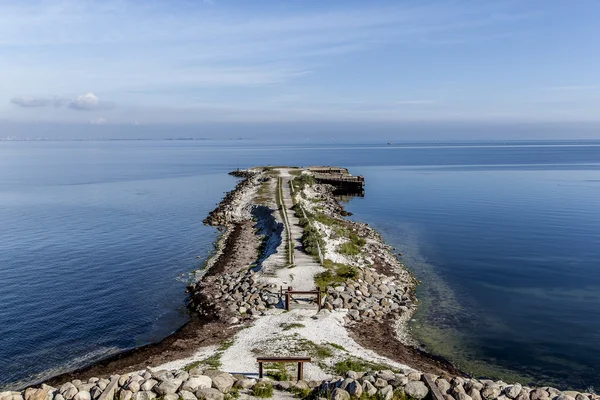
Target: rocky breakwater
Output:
[
  {"x": 228, "y": 209},
  {"x": 199, "y": 384}
]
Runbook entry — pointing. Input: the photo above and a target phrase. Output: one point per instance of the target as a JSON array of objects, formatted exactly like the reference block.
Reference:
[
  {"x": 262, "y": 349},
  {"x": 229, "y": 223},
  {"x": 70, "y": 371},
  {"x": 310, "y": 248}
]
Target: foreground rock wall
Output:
[{"x": 198, "y": 384}]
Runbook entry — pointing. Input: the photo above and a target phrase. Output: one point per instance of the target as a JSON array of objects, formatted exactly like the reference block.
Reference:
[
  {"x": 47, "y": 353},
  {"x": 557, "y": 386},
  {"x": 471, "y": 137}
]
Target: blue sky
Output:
[{"x": 275, "y": 61}]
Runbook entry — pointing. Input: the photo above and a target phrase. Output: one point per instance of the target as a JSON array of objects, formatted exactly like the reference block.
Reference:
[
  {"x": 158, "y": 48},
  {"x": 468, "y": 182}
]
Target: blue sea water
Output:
[{"x": 505, "y": 237}]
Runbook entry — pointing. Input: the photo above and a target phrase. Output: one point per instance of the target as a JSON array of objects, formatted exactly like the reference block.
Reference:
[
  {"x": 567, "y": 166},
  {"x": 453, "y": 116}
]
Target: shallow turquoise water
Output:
[{"x": 506, "y": 238}]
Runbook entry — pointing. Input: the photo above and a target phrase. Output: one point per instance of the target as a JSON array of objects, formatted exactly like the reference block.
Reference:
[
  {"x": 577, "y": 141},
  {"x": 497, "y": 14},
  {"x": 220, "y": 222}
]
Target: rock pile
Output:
[
  {"x": 238, "y": 293},
  {"x": 370, "y": 296},
  {"x": 221, "y": 215}
]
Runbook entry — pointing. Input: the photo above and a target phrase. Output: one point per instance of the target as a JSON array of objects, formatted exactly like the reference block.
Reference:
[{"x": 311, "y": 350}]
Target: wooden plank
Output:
[
  {"x": 435, "y": 390},
  {"x": 283, "y": 359}
]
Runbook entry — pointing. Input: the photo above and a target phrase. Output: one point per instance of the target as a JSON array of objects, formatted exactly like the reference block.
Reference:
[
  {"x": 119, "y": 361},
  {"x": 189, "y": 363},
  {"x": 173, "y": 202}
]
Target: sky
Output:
[{"x": 163, "y": 63}]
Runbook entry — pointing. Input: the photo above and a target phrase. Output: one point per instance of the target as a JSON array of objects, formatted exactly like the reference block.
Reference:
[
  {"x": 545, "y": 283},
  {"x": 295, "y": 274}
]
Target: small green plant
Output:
[
  {"x": 337, "y": 346},
  {"x": 262, "y": 390},
  {"x": 234, "y": 393},
  {"x": 301, "y": 393},
  {"x": 357, "y": 365},
  {"x": 335, "y": 274},
  {"x": 225, "y": 344},
  {"x": 293, "y": 325},
  {"x": 278, "y": 372},
  {"x": 311, "y": 240}
]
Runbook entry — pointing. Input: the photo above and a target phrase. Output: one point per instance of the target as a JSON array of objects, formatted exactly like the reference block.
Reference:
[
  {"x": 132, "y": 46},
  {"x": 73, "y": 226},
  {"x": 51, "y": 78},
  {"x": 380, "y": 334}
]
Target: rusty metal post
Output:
[
  {"x": 319, "y": 298},
  {"x": 260, "y": 370},
  {"x": 287, "y": 301},
  {"x": 300, "y": 371}
]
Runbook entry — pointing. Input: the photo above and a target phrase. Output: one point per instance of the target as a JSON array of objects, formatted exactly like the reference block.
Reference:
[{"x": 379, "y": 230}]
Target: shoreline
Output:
[{"x": 369, "y": 298}]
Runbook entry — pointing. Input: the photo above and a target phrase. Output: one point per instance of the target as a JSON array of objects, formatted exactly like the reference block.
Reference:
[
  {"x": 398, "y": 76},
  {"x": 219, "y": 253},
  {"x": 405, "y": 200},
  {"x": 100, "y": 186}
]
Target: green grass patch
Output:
[
  {"x": 225, "y": 344},
  {"x": 278, "y": 372},
  {"x": 336, "y": 273},
  {"x": 353, "y": 246},
  {"x": 213, "y": 361},
  {"x": 293, "y": 325},
  {"x": 303, "y": 180},
  {"x": 311, "y": 240},
  {"x": 336, "y": 346},
  {"x": 357, "y": 365},
  {"x": 262, "y": 390}
]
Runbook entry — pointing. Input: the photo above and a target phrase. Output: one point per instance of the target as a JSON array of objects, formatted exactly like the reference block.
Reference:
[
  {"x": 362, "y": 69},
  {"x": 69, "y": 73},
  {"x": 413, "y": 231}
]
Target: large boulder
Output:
[
  {"x": 416, "y": 389},
  {"x": 386, "y": 393},
  {"x": 148, "y": 384},
  {"x": 369, "y": 389},
  {"x": 221, "y": 381},
  {"x": 355, "y": 389},
  {"x": 490, "y": 392},
  {"x": 83, "y": 395},
  {"x": 539, "y": 394},
  {"x": 443, "y": 385},
  {"x": 245, "y": 383},
  {"x": 512, "y": 391},
  {"x": 197, "y": 382},
  {"x": 185, "y": 395},
  {"x": 144, "y": 395},
  {"x": 209, "y": 394},
  {"x": 168, "y": 386},
  {"x": 340, "y": 394}
]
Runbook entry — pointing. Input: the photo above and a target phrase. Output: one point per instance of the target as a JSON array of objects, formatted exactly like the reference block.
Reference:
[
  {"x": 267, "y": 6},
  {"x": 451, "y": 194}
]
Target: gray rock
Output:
[
  {"x": 183, "y": 375},
  {"x": 345, "y": 383},
  {"x": 386, "y": 393},
  {"x": 109, "y": 392},
  {"x": 490, "y": 392},
  {"x": 352, "y": 375},
  {"x": 581, "y": 396},
  {"x": 222, "y": 381},
  {"x": 416, "y": 389},
  {"x": 148, "y": 385},
  {"x": 512, "y": 391},
  {"x": 171, "y": 396},
  {"x": 36, "y": 394},
  {"x": 133, "y": 386},
  {"x": 209, "y": 394},
  {"x": 85, "y": 387},
  {"x": 463, "y": 396},
  {"x": 380, "y": 383},
  {"x": 70, "y": 392},
  {"x": 63, "y": 388},
  {"x": 197, "y": 382},
  {"x": 369, "y": 389},
  {"x": 57, "y": 396},
  {"x": 162, "y": 375},
  {"x": 443, "y": 385},
  {"x": 245, "y": 383},
  {"x": 301, "y": 385},
  {"x": 385, "y": 374},
  {"x": 144, "y": 396},
  {"x": 185, "y": 395},
  {"x": 168, "y": 386},
  {"x": 284, "y": 385},
  {"x": 355, "y": 389},
  {"x": 564, "y": 397},
  {"x": 96, "y": 392},
  {"x": 340, "y": 394},
  {"x": 196, "y": 371},
  {"x": 125, "y": 395},
  {"x": 539, "y": 394},
  {"x": 414, "y": 376},
  {"x": 83, "y": 395},
  {"x": 475, "y": 394}
]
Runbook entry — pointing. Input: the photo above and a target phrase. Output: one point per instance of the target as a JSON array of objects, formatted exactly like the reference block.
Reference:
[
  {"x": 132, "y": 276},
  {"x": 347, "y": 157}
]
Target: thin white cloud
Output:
[
  {"x": 84, "y": 102},
  {"x": 87, "y": 102}
]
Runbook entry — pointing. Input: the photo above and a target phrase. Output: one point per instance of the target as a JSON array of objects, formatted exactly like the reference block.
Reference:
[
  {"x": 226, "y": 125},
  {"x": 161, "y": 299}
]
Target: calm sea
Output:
[{"x": 95, "y": 238}]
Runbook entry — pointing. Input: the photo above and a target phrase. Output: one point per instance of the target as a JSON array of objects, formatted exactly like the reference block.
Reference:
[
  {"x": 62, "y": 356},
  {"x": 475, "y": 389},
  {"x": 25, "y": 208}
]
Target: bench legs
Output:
[{"x": 300, "y": 371}]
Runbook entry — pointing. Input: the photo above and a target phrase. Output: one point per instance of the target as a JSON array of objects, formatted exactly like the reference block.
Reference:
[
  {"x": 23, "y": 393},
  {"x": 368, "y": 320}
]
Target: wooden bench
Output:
[
  {"x": 299, "y": 360},
  {"x": 289, "y": 292}
]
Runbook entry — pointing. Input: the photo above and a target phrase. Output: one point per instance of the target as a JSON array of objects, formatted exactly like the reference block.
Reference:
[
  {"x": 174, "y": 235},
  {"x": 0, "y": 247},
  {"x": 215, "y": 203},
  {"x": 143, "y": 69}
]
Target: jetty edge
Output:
[{"x": 366, "y": 291}]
